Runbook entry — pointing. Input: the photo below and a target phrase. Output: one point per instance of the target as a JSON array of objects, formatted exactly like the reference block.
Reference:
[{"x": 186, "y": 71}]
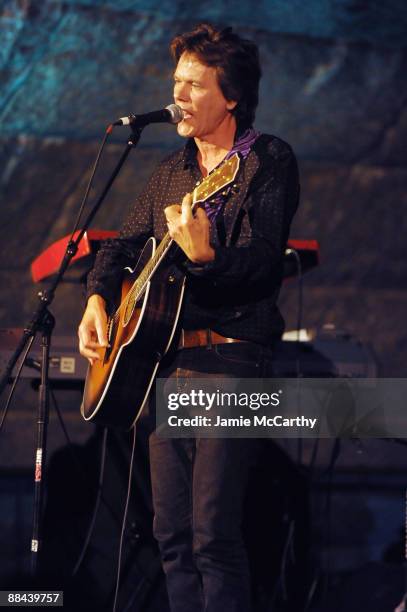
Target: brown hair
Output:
[{"x": 236, "y": 61}]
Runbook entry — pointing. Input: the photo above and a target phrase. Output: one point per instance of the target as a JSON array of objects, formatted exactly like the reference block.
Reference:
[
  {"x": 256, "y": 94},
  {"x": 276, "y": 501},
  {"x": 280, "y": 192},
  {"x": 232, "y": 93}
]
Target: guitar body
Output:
[{"x": 117, "y": 385}]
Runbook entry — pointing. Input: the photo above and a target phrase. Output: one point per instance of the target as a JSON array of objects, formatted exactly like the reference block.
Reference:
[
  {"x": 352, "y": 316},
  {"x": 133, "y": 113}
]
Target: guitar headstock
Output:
[{"x": 219, "y": 179}]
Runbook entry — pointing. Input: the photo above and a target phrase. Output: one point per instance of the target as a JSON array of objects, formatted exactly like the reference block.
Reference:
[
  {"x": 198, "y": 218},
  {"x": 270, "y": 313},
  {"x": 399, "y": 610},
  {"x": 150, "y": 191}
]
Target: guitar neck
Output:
[
  {"x": 211, "y": 185},
  {"x": 145, "y": 275},
  {"x": 155, "y": 261}
]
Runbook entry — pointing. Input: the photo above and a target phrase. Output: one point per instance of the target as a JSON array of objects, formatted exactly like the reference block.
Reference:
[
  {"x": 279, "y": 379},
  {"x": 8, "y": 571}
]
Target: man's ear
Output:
[{"x": 231, "y": 104}]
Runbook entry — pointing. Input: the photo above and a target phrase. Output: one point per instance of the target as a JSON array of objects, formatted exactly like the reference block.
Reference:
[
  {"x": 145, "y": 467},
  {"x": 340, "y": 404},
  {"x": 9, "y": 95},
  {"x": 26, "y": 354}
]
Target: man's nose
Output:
[{"x": 181, "y": 92}]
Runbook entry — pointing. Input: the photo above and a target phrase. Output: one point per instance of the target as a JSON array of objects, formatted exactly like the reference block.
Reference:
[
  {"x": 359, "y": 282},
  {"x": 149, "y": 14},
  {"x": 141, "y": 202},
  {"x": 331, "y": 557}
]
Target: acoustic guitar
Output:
[{"x": 142, "y": 327}]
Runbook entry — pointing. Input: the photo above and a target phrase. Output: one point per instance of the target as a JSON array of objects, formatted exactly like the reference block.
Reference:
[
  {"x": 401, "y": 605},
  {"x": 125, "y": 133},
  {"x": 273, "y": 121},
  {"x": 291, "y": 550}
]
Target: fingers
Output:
[
  {"x": 101, "y": 332},
  {"x": 92, "y": 337},
  {"x": 186, "y": 208},
  {"x": 87, "y": 348},
  {"x": 201, "y": 216},
  {"x": 184, "y": 212},
  {"x": 85, "y": 334},
  {"x": 189, "y": 230},
  {"x": 172, "y": 213},
  {"x": 178, "y": 216}
]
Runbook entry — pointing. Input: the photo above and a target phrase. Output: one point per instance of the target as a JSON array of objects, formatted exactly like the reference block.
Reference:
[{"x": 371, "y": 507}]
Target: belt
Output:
[{"x": 203, "y": 337}]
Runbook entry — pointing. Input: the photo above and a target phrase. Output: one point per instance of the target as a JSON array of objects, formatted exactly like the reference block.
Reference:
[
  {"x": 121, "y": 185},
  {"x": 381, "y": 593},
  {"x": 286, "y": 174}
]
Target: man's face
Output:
[{"x": 197, "y": 92}]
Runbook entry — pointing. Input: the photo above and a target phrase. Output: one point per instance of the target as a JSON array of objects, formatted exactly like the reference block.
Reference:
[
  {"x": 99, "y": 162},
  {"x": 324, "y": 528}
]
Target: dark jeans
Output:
[{"x": 198, "y": 490}]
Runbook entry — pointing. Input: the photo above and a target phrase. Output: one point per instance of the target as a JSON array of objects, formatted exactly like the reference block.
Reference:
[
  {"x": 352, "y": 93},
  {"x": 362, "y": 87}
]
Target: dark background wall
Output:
[{"x": 334, "y": 87}]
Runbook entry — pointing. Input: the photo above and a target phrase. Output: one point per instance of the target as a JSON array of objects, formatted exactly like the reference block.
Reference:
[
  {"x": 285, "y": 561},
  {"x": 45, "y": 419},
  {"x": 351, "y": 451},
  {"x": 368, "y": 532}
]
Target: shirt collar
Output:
[
  {"x": 190, "y": 154},
  {"x": 190, "y": 149}
]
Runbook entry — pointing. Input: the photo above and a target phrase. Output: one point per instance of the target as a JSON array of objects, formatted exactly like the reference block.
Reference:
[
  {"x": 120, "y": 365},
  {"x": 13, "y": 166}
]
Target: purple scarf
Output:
[{"x": 242, "y": 146}]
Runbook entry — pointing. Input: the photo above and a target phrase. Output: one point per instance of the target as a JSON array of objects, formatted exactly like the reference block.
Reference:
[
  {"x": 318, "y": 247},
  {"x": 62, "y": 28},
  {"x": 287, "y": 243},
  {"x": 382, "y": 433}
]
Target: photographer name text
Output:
[{"x": 200, "y": 421}]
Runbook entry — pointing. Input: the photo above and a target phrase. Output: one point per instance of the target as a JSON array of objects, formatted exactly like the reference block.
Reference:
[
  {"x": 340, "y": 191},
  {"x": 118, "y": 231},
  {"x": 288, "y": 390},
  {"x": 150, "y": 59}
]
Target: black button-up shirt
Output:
[{"x": 236, "y": 294}]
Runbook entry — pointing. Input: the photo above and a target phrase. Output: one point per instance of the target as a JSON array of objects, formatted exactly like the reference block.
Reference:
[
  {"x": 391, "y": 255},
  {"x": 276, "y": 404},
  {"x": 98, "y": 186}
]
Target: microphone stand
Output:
[{"x": 44, "y": 322}]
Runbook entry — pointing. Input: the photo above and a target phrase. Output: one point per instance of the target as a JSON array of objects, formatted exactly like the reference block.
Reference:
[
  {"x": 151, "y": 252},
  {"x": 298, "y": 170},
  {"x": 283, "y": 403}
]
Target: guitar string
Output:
[
  {"x": 139, "y": 287},
  {"x": 150, "y": 266},
  {"x": 148, "y": 269},
  {"x": 136, "y": 290}
]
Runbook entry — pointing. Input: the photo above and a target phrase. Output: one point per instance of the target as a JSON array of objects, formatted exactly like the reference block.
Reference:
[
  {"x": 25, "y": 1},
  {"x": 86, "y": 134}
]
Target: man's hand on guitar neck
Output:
[
  {"x": 92, "y": 329},
  {"x": 190, "y": 232}
]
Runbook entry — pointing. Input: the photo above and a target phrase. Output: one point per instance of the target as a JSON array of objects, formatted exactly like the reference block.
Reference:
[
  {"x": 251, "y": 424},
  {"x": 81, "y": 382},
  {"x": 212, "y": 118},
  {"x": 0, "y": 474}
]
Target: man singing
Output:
[{"x": 233, "y": 249}]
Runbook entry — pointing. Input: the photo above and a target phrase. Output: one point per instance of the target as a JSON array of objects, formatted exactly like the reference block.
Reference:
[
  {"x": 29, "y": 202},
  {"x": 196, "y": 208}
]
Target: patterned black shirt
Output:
[{"x": 236, "y": 294}]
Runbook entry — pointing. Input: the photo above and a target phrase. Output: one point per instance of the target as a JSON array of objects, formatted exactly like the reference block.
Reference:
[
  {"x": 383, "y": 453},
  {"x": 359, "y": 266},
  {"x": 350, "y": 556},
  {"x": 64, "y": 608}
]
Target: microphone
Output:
[{"x": 170, "y": 114}]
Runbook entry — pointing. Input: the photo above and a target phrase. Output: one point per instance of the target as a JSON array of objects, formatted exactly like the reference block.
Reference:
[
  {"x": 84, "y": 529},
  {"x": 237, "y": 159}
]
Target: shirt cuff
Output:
[
  {"x": 212, "y": 268},
  {"x": 96, "y": 289}
]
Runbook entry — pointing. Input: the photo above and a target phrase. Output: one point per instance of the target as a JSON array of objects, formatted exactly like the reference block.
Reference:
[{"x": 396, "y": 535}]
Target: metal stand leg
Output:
[{"x": 47, "y": 326}]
